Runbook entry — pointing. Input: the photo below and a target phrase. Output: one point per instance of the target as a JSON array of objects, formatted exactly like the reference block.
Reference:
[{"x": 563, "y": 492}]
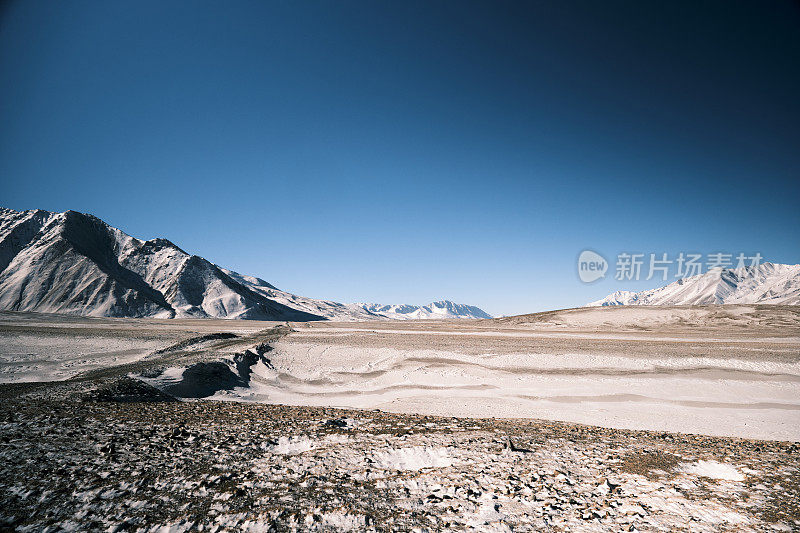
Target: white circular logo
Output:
[{"x": 591, "y": 266}]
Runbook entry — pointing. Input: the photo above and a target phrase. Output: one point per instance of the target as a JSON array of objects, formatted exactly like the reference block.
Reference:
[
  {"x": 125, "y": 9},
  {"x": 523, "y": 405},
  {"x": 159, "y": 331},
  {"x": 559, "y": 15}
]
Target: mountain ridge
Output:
[
  {"x": 75, "y": 263},
  {"x": 767, "y": 283},
  {"x": 442, "y": 309}
]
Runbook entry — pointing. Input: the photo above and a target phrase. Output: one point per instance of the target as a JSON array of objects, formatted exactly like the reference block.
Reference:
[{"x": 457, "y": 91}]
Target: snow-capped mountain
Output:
[
  {"x": 441, "y": 309},
  {"x": 768, "y": 283},
  {"x": 75, "y": 263}
]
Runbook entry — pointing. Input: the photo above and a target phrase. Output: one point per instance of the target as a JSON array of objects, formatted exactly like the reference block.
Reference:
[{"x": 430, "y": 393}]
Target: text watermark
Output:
[{"x": 634, "y": 266}]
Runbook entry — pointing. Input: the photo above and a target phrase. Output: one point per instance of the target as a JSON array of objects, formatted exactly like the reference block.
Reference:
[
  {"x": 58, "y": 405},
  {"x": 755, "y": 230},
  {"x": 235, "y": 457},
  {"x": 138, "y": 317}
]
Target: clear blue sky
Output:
[{"x": 403, "y": 152}]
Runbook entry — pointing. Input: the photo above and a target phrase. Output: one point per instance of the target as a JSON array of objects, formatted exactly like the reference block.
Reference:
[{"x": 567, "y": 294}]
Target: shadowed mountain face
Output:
[{"x": 77, "y": 264}]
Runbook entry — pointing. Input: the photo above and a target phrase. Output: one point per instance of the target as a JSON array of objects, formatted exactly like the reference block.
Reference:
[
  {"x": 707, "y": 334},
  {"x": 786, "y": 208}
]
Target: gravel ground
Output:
[{"x": 121, "y": 456}]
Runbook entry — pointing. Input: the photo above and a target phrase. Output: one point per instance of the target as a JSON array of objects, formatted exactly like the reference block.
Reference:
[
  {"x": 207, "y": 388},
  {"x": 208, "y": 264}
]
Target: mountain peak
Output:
[{"x": 159, "y": 242}]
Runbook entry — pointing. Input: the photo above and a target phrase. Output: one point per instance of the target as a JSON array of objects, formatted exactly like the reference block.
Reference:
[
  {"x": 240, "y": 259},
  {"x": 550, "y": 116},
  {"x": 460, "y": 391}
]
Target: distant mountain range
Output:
[
  {"x": 767, "y": 283},
  {"x": 75, "y": 263},
  {"x": 442, "y": 309}
]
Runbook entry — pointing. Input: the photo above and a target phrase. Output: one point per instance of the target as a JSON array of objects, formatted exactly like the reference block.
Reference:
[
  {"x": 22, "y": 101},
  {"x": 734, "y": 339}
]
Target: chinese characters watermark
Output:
[{"x": 660, "y": 266}]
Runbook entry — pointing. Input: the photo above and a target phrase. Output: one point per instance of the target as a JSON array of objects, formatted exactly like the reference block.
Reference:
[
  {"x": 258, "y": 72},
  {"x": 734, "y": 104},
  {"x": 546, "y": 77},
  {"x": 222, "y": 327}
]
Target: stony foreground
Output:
[{"x": 127, "y": 458}]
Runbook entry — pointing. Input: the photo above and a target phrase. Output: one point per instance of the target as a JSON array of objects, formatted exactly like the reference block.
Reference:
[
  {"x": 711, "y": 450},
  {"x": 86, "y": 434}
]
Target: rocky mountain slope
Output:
[
  {"x": 75, "y": 263},
  {"x": 768, "y": 283}
]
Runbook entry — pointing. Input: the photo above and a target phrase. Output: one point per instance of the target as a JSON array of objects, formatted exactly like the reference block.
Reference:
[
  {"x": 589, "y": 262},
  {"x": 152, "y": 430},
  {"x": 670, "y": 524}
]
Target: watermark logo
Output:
[
  {"x": 591, "y": 266},
  {"x": 631, "y": 266}
]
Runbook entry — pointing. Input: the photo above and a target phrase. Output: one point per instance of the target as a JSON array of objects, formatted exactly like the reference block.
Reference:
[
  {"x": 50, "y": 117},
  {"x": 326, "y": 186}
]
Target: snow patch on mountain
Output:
[{"x": 767, "y": 283}]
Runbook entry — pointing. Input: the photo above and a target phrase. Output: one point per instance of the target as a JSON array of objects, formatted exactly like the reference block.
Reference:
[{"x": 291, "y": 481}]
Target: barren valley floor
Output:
[{"x": 238, "y": 425}]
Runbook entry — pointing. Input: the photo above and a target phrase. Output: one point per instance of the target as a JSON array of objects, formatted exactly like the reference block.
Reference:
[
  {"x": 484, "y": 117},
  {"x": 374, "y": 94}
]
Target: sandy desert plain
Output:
[{"x": 590, "y": 419}]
